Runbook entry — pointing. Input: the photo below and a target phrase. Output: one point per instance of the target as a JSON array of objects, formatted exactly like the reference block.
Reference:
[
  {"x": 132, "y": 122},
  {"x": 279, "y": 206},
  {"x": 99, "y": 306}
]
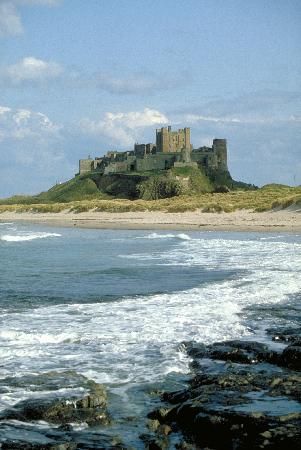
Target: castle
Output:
[{"x": 172, "y": 149}]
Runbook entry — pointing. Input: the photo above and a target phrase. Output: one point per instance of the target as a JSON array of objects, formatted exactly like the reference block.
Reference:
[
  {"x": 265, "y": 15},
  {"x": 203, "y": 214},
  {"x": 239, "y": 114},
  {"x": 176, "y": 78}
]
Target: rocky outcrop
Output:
[
  {"x": 291, "y": 356},
  {"x": 59, "y": 413},
  {"x": 243, "y": 396},
  {"x": 285, "y": 334},
  {"x": 61, "y": 410}
]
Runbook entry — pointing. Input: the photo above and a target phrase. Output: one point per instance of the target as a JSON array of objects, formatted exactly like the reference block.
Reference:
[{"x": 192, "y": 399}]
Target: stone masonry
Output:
[{"x": 172, "y": 149}]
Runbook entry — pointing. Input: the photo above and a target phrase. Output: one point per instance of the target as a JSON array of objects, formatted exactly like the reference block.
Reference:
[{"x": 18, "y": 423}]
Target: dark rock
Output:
[
  {"x": 233, "y": 354},
  {"x": 234, "y": 406},
  {"x": 195, "y": 349},
  {"x": 159, "y": 414},
  {"x": 242, "y": 352},
  {"x": 288, "y": 385},
  {"x": 291, "y": 357},
  {"x": 183, "y": 445},
  {"x": 91, "y": 409},
  {"x": 281, "y": 334},
  {"x": 28, "y": 438},
  {"x": 225, "y": 429},
  {"x": 152, "y": 442},
  {"x": 239, "y": 351}
]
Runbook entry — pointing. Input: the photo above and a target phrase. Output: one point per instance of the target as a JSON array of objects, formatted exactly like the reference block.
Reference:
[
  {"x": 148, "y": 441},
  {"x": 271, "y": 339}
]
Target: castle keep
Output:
[
  {"x": 168, "y": 141},
  {"x": 172, "y": 149}
]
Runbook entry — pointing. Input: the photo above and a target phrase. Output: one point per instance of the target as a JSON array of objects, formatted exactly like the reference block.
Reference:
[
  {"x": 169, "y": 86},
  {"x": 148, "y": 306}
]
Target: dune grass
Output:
[{"x": 263, "y": 199}]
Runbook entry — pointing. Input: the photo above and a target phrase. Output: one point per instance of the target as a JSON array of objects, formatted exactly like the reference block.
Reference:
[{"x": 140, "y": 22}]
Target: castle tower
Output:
[
  {"x": 220, "y": 150},
  {"x": 85, "y": 165},
  {"x": 187, "y": 138},
  {"x": 168, "y": 141}
]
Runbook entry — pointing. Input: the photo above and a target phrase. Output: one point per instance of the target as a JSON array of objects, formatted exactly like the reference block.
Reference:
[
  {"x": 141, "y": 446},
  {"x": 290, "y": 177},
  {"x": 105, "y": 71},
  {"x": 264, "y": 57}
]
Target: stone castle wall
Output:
[
  {"x": 86, "y": 165},
  {"x": 172, "y": 149},
  {"x": 168, "y": 141}
]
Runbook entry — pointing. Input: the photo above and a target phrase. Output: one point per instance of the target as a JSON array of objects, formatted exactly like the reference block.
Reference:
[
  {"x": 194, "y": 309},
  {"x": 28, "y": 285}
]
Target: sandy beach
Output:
[{"x": 285, "y": 220}]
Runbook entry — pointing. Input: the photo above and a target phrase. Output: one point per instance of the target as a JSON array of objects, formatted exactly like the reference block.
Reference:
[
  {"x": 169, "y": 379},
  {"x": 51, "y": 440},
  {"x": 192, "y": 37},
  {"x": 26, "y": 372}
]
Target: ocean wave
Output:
[
  {"x": 182, "y": 236},
  {"x": 136, "y": 338},
  {"x": 130, "y": 334},
  {"x": 27, "y": 236},
  {"x": 26, "y": 338}
]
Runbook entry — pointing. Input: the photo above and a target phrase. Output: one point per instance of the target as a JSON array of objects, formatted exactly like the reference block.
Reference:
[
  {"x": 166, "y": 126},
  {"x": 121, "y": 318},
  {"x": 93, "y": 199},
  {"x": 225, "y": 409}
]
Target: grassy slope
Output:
[
  {"x": 262, "y": 199},
  {"x": 81, "y": 194},
  {"x": 197, "y": 182},
  {"x": 78, "y": 188},
  {"x": 103, "y": 187}
]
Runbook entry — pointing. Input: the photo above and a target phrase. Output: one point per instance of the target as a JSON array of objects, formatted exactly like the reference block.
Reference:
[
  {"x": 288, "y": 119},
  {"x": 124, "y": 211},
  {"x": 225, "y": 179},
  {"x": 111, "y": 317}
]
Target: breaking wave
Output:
[
  {"x": 182, "y": 236},
  {"x": 27, "y": 236}
]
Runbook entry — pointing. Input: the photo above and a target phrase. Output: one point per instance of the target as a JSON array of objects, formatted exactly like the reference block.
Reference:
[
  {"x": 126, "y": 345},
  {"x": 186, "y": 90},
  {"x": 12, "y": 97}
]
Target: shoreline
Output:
[{"x": 242, "y": 220}]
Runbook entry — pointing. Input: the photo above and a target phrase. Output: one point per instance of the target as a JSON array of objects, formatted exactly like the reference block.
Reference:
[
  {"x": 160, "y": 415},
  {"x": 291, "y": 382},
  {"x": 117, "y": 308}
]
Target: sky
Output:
[{"x": 81, "y": 77}]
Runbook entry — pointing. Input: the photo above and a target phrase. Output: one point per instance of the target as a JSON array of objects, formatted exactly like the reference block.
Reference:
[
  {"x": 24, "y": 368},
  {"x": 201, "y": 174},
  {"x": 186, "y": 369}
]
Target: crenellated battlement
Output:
[{"x": 172, "y": 149}]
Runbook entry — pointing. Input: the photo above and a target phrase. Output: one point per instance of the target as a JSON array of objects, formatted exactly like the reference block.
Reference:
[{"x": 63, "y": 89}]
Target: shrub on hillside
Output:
[
  {"x": 222, "y": 189},
  {"x": 159, "y": 187}
]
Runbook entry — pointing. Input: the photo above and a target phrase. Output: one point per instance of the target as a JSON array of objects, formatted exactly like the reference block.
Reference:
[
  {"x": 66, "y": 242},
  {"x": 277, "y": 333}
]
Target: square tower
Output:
[{"x": 168, "y": 141}]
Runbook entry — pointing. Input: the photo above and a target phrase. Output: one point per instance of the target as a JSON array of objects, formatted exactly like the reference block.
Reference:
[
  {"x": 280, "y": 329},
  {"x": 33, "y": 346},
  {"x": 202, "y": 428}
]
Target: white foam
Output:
[
  {"x": 137, "y": 339},
  {"x": 166, "y": 236},
  {"x": 157, "y": 236},
  {"x": 183, "y": 236},
  {"x": 15, "y": 394},
  {"x": 27, "y": 236},
  {"x": 29, "y": 337}
]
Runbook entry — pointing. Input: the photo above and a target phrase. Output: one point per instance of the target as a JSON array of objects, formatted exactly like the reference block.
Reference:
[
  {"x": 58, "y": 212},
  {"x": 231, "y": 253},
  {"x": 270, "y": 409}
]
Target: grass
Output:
[
  {"x": 264, "y": 199},
  {"x": 78, "y": 188},
  {"x": 197, "y": 181},
  {"x": 86, "y": 193}
]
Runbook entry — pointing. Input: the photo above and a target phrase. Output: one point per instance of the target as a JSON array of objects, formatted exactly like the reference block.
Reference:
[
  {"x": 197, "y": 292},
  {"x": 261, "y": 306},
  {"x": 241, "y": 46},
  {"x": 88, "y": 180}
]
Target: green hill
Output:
[
  {"x": 153, "y": 185},
  {"x": 176, "y": 191},
  {"x": 78, "y": 188}
]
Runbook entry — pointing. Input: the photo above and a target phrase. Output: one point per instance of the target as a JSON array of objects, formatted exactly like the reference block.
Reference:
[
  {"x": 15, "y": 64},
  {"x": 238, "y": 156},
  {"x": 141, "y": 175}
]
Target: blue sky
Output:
[{"x": 83, "y": 77}]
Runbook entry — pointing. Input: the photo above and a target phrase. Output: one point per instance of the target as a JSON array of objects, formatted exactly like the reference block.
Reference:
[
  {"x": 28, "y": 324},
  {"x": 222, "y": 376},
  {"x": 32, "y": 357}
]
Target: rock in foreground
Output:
[
  {"x": 58, "y": 421},
  {"x": 243, "y": 396}
]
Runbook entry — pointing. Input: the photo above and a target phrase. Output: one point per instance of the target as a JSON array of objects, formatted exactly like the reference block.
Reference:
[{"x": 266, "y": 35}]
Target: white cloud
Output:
[
  {"x": 193, "y": 118},
  {"x": 123, "y": 128},
  {"x": 255, "y": 119},
  {"x": 10, "y": 20},
  {"x": 32, "y": 152},
  {"x": 30, "y": 69},
  {"x": 21, "y": 124}
]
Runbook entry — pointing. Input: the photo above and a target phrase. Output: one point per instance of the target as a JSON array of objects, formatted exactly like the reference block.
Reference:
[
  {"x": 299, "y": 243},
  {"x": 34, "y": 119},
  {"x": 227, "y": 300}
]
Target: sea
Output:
[{"x": 116, "y": 306}]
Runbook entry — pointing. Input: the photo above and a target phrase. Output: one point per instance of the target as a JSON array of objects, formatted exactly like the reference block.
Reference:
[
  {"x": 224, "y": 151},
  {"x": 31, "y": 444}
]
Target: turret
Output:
[
  {"x": 220, "y": 150},
  {"x": 86, "y": 165}
]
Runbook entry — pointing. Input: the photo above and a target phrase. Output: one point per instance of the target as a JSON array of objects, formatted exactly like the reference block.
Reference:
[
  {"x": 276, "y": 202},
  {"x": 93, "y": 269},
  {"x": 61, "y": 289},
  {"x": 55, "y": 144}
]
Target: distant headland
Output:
[{"x": 169, "y": 175}]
